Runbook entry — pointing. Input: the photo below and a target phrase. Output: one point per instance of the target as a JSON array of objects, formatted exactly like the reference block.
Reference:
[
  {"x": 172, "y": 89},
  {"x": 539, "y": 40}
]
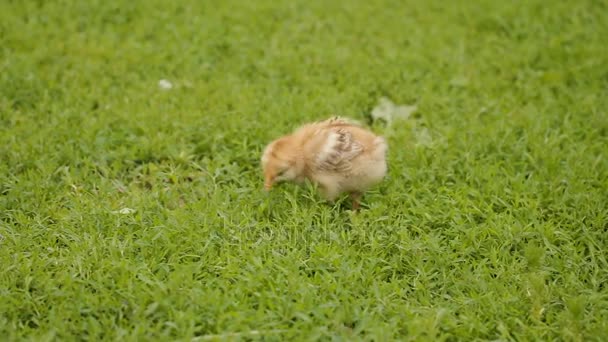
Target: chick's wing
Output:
[{"x": 338, "y": 151}]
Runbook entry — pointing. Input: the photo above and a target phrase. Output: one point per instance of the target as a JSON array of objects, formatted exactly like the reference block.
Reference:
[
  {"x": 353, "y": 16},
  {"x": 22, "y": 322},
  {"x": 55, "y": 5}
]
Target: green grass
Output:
[{"x": 492, "y": 224}]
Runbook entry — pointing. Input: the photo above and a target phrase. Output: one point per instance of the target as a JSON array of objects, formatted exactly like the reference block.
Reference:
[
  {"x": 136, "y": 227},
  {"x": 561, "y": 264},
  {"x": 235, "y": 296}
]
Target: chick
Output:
[{"x": 337, "y": 154}]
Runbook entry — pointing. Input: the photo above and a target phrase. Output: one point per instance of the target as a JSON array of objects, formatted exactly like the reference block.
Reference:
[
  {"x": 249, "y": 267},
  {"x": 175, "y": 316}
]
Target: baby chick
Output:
[{"x": 337, "y": 154}]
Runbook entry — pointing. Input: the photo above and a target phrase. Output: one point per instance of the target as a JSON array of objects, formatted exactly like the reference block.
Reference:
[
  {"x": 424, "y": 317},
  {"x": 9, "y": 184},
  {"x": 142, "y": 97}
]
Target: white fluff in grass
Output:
[
  {"x": 124, "y": 211},
  {"x": 423, "y": 137},
  {"x": 388, "y": 111},
  {"x": 165, "y": 84}
]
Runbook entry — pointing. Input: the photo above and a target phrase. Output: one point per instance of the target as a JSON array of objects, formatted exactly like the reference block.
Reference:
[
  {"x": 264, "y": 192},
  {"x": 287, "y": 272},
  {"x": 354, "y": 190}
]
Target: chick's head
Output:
[{"x": 280, "y": 162}]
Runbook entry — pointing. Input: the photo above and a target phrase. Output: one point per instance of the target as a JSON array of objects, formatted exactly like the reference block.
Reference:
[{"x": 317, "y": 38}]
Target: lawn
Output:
[{"x": 132, "y": 208}]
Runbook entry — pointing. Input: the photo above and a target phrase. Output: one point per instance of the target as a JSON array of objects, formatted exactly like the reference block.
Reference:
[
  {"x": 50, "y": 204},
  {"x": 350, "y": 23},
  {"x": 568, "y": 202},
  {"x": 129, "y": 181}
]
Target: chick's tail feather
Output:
[{"x": 380, "y": 147}]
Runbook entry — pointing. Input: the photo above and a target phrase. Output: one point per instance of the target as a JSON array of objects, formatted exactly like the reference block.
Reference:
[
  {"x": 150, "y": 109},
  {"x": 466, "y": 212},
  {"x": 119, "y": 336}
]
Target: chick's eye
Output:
[{"x": 282, "y": 172}]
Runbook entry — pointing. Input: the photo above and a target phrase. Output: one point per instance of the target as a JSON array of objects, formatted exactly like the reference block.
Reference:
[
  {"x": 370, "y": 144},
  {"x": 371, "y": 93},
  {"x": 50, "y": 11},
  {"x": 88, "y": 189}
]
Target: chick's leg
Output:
[{"x": 356, "y": 198}]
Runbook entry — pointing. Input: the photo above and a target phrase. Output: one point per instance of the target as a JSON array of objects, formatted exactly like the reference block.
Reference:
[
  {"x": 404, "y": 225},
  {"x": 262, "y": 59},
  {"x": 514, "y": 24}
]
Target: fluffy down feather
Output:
[{"x": 338, "y": 154}]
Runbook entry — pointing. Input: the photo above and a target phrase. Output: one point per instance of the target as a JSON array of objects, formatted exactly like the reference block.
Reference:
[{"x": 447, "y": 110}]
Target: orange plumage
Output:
[{"x": 337, "y": 154}]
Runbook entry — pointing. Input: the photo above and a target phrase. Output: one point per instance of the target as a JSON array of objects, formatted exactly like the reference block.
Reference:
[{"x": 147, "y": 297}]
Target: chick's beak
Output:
[{"x": 268, "y": 183}]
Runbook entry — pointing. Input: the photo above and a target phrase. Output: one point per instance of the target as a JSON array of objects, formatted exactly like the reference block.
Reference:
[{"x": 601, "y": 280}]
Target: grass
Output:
[{"x": 492, "y": 224}]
